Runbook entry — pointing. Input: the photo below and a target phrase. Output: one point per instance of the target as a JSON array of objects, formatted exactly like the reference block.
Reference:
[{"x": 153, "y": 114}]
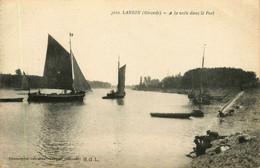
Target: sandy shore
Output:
[{"x": 246, "y": 154}]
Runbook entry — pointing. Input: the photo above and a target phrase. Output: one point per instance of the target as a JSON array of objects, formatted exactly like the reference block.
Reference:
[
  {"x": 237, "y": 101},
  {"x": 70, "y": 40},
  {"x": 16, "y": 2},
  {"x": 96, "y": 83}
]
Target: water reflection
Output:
[
  {"x": 120, "y": 102},
  {"x": 57, "y": 140},
  {"x": 119, "y": 132},
  {"x": 48, "y": 104}
]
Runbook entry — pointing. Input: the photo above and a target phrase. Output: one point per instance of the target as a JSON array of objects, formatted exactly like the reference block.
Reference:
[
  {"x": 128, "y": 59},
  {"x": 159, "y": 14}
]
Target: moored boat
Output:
[
  {"x": 194, "y": 113},
  {"x": 172, "y": 115},
  {"x": 197, "y": 113},
  {"x": 11, "y": 99},
  {"x": 201, "y": 98}
]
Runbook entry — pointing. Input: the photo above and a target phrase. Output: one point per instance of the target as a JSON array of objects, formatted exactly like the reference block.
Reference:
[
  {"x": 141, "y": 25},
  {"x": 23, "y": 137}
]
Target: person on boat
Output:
[
  {"x": 65, "y": 91},
  {"x": 39, "y": 91}
]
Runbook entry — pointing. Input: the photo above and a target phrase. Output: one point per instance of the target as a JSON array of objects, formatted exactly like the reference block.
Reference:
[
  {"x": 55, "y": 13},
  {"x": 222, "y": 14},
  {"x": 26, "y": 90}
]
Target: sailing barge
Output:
[
  {"x": 202, "y": 98},
  {"x": 61, "y": 71},
  {"x": 120, "y": 93}
]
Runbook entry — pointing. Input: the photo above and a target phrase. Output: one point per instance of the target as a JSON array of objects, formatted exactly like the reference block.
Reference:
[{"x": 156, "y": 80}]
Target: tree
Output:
[{"x": 18, "y": 72}]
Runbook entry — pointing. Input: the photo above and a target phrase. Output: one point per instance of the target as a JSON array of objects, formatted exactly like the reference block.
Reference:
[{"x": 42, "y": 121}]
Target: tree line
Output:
[
  {"x": 210, "y": 78},
  {"x": 23, "y": 81}
]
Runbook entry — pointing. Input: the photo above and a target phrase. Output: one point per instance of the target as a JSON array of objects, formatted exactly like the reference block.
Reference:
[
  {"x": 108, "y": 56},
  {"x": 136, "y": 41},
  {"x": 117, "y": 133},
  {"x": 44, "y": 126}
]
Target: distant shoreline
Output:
[{"x": 33, "y": 81}]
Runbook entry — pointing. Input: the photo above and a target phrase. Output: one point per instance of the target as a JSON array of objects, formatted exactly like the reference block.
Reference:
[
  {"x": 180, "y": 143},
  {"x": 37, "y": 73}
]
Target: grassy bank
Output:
[{"x": 246, "y": 154}]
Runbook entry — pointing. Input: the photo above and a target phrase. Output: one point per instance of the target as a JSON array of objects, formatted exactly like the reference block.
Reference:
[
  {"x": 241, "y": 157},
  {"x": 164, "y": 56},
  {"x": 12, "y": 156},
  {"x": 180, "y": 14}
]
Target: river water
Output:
[{"x": 103, "y": 133}]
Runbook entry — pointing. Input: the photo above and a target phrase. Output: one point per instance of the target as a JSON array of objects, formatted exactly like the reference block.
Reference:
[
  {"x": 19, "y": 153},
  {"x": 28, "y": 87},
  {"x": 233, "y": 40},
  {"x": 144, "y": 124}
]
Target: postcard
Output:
[{"x": 129, "y": 83}]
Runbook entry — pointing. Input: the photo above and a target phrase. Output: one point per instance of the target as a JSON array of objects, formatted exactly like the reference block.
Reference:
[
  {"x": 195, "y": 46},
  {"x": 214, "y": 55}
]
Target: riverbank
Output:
[
  {"x": 223, "y": 95},
  {"x": 246, "y": 154}
]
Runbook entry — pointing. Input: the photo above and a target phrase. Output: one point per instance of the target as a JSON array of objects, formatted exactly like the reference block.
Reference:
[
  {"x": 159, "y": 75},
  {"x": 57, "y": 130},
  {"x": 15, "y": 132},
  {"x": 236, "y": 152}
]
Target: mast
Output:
[
  {"x": 192, "y": 79},
  {"x": 118, "y": 66},
  {"x": 71, "y": 56},
  {"x": 203, "y": 56},
  {"x": 202, "y": 67},
  {"x": 118, "y": 62}
]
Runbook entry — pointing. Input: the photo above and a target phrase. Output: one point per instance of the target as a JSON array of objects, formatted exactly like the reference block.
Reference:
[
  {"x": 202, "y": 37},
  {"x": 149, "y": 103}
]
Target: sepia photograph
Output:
[{"x": 129, "y": 84}]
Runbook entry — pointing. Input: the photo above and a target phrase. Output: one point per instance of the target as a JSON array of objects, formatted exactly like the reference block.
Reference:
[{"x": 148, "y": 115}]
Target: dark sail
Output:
[
  {"x": 121, "y": 80},
  {"x": 58, "y": 69},
  {"x": 79, "y": 82}
]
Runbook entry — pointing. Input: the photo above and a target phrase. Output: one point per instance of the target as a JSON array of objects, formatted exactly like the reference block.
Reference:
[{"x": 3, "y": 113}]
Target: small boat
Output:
[
  {"x": 114, "y": 95},
  {"x": 194, "y": 113},
  {"x": 11, "y": 99},
  {"x": 197, "y": 113},
  {"x": 61, "y": 71},
  {"x": 201, "y": 100},
  {"x": 120, "y": 93},
  {"x": 172, "y": 115}
]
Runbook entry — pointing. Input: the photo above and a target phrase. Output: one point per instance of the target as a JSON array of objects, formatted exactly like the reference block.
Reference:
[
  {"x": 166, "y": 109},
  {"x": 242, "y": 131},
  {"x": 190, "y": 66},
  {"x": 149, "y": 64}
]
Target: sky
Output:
[{"x": 149, "y": 45}]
